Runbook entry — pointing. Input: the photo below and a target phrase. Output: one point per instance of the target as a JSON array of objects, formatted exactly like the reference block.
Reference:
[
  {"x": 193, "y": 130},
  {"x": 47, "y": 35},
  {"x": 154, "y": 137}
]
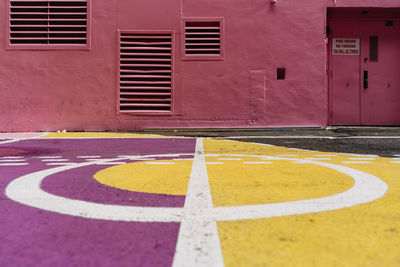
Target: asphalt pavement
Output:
[{"x": 381, "y": 141}]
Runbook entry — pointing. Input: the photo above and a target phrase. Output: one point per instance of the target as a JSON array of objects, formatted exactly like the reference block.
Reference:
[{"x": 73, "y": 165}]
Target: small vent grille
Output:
[
  {"x": 203, "y": 38},
  {"x": 145, "y": 72},
  {"x": 57, "y": 22}
]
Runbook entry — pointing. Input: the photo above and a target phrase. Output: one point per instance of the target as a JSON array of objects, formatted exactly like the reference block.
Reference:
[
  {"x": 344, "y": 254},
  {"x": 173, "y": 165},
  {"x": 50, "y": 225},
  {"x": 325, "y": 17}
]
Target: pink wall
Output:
[{"x": 77, "y": 90}]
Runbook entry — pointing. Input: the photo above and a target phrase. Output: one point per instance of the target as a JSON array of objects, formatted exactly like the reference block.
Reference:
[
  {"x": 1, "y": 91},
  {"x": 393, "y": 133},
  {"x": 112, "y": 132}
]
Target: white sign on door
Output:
[{"x": 346, "y": 46}]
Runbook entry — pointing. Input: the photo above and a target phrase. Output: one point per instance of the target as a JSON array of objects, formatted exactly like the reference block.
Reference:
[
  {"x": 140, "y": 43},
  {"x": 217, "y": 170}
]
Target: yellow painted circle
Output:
[{"x": 160, "y": 177}]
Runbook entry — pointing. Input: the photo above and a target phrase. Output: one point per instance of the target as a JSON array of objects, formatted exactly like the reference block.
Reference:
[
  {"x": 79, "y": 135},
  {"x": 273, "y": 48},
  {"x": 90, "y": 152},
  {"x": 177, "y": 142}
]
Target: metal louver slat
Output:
[
  {"x": 145, "y": 77},
  {"x": 51, "y": 22}
]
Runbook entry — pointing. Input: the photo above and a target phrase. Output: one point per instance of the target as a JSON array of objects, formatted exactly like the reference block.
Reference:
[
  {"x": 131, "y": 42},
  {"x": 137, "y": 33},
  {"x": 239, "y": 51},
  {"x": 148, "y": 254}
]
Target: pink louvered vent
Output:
[
  {"x": 203, "y": 38},
  {"x": 55, "y": 22},
  {"x": 145, "y": 72}
]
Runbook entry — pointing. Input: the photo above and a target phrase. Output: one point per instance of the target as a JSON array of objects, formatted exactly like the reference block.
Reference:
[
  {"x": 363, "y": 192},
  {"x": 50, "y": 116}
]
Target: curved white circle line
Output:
[{"x": 26, "y": 190}]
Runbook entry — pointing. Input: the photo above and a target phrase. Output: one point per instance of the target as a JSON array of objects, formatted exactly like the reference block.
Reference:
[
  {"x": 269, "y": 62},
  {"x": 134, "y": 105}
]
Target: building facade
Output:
[{"x": 118, "y": 65}]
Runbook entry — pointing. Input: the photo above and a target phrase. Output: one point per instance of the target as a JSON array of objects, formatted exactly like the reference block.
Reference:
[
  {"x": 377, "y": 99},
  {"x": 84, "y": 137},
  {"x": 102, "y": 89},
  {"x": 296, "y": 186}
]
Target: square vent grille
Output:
[
  {"x": 145, "y": 78},
  {"x": 203, "y": 38},
  {"x": 56, "y": 22}
]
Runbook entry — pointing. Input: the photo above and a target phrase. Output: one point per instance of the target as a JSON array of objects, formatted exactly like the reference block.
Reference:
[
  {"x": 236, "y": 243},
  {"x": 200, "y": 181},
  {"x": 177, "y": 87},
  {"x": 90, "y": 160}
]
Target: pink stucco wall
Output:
[{"x": 77, "y": 90}]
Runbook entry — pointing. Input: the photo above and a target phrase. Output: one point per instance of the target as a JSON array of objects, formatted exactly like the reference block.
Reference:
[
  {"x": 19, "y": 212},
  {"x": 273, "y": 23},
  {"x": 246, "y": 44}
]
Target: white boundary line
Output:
[
  {"x": 26, "y": 190},
  {"x": 21, "y": 139},
  {"x": 198, "y": 241}
]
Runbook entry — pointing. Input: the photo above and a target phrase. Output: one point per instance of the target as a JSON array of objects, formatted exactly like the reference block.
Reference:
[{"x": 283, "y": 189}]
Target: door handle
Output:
[{"x": 365, "y": 79}]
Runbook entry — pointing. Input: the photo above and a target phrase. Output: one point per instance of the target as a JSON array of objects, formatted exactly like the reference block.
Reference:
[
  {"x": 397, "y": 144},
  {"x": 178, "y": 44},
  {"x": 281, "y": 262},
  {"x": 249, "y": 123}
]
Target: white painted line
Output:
[
  {"x": 12, "y": 157},
  {"x": 138, "y": 158},
  {"x": 60, "y": 163},
  {"x": 356, "y": 162},
  {"x": 360, "y": 155},
  {"x": 325, "y": 155},
  {"x": 159, "y": 163},
  {"x": 26, "y": 190},
  {"x": 257, "y": 162},
  {"x": 96, "y": 160},
  {"x": 286, "y": 155},
  {"x": 318, "y": 158},
  {"x": 12, "y": 160},
  {"x": 269, "y": 158},
  {"x": 88, "y": 157},
  {"x": 54, "y": 160},
  {"x": 111, "y": 163},
  {"x": 13, "y": 164},
  {"x": 198, "y": 241},
  {"x": 395, "y": 162},
  {"x": 49, "y": 157},
  {"x": 16, "y": 137},
  {"x": 182, "y": 159},
  {"x": 214, "y": 163},
  {"x": 396, "y": 155},
  {"x": 229, "y": 159},
  {"x": 362, "y": 158},
  {"x": 300, "y": 162}
]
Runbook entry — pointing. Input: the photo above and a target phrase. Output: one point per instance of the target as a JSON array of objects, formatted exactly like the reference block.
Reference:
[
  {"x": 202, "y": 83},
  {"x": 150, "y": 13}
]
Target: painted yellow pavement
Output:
[
  {"x": 363, "y": 235},
  {"x": 159, "y": 177}
]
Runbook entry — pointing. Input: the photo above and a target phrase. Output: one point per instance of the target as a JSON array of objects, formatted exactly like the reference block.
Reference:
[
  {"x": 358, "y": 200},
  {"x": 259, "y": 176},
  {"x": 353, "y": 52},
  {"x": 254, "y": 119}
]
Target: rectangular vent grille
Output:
[
  {"x": 203, "y": 38},
  {"x": 48, "y": 22},
  {"x": 145, "y": 72}
]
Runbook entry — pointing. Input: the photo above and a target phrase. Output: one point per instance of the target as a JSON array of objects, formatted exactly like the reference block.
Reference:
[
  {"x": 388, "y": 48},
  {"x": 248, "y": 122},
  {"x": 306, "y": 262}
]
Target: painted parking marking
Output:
[
  {"x": 257, "y": 162},
  {"x": 12, "y": 160},
  {"x": 356, "y": 162},
  {"x": 318, "y": 158},
  {"x": 362, "y": 158},
  {"x": 88, "y": 157},
  {"x": 12, "y": 157},
  {"x": 60, "y": 163},
  {"x": 49, "y": 157},
  {"x": 159, "y": 163},
  {"x": 229, "y": 159},
  {"x": 111, "y": 163},
  {"x": 395, "y": 162},
  {"x": 13, "y": 164},
  {"x": 54, "y": 160}
]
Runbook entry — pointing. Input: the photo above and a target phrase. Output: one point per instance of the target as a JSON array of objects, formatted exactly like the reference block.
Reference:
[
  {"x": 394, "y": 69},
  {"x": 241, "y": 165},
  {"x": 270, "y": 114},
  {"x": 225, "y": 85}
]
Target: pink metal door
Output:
[
  {"x": 345, "y": 75},
  {"x": 365, "y": 80},
  {"x": 380, "y": 73}
]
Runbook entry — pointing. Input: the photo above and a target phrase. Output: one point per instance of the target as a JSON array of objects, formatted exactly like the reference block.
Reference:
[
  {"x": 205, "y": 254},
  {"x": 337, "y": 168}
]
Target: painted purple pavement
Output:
[{"x": 34, "y": 237}]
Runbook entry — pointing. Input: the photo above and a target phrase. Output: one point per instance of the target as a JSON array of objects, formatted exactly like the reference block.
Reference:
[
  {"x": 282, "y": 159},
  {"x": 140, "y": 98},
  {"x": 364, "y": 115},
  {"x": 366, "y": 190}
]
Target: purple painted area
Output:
[
  {"x": 34, "y": 237},
  {"x": 79, "y": 184},
  {"x": 106, "y": 147}
]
